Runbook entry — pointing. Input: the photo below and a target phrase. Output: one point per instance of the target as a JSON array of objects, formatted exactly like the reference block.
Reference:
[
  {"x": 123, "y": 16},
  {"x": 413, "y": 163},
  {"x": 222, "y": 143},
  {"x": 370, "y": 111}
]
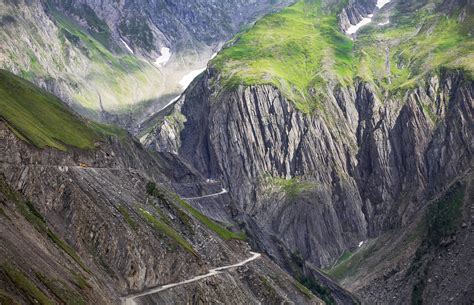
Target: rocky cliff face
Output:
[
  {"x": 360, "y": 168},
  {"x": 355, "y": 11},
  {"x": 96, "y": 224},
  {"x": 364, "y": 168},
  {"x": 173, "y": 25},
  {"x": 324, "y": 183},
  {"x": 86, "y": 223}
]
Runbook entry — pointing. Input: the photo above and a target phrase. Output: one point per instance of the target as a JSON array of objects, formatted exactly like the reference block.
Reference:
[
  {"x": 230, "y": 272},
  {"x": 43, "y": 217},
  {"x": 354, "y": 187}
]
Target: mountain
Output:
[
  {"x": 343, "y": 132},
  {"x": 296, "y": 152},
  {"x": 118, "y": 61},
  {"x": 87, "y": 216}
]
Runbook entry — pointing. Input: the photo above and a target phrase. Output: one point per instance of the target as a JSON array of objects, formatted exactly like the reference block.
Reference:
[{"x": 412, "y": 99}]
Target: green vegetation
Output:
[
  {"x": 97, "y": 28},
  {"x": 66, "y": 248},
  {"x": 162, "y": 227},
  {"x": 345, "y": 256},
  {"x": 41, "y": 117},
  {"x": 268, "y": 286},
  {"x": 61, "y": 291},
  {"x": 21, "y": 281},
  {"x": 224, "y": 233},
  {"x": 43, "y": 120},
  {"x": 123, "y": 210},
  {"x": 185, "y": 219},
  {"x": 153, "y": 191},
  {"x": 443, "y": 217},
  {"x": 303, "y": 289},
  {"x": 297, "y": 266},
  {"x": 112, "y": 75},
  {"x": 348, "y": 263},
  {"x": 292, "y": 50},
  {"x": 441, "y": 221},
  {"x": 95, "y": 49},
  {"x": 105, "y": 130},
  {"x": 292, "y": 187},
  {"x": 420, "y": 42},
  {"x": 214, "y": 226},
  {"x": 301, "y": 51},
  {"x": 320, "y": 290}
]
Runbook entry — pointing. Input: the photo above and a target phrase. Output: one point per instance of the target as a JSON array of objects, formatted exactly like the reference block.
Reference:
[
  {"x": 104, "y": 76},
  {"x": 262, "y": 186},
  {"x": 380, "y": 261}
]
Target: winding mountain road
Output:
[
  {"x": 130, "y": 299},
  {"x": 224, "y": 191}
]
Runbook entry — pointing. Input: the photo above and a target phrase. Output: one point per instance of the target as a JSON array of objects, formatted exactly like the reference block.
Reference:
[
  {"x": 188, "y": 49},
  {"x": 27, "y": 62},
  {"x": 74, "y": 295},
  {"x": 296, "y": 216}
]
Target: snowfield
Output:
[
  {"x": 354, "y": 28},
  {"x": 164, "y": 58},
  {"x": 188, "y": 78},
  {"x": 127, "y": 46},
  {"x": 382, "y": 3}
]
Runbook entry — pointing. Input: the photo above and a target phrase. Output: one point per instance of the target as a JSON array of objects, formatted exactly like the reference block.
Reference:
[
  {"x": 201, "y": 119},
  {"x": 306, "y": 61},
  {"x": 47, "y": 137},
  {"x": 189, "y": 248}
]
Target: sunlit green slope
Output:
[{"x": 301, "y": 50}]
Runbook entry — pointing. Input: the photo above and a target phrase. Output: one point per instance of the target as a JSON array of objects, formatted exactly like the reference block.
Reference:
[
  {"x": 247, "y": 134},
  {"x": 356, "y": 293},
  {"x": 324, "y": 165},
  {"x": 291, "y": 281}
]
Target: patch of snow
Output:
[
  {"x": 171, "y": 102},
  {"x": 188, "y": 78},
  {"x": 384, "y": 23},
  {"x": 361, "y": 243},
  {"x": 354, "y": 28},
  {"x": 366, "y": 20},
  {"x": 164, "y": 58},
  {"x": 382, "y": 3},
  {"x": 127, "y": 46}
]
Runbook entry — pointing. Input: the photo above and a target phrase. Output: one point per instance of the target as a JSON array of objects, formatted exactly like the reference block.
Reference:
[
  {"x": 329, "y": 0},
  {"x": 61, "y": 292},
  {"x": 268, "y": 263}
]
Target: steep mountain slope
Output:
[
  {"x": 327, "y": 141},
  {"x": 87, "y": 222},
  {"x": 117, "y": 60}
]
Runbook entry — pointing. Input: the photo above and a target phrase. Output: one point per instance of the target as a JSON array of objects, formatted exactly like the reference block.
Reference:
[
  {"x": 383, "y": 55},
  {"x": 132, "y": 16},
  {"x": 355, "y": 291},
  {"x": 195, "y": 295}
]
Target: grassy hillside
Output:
[
  {"x": 42, "y": 119},
  {"x": 294, "y": 50},
  {"x": 301, "y": 51},
  {"x": 417, "y": 41}
]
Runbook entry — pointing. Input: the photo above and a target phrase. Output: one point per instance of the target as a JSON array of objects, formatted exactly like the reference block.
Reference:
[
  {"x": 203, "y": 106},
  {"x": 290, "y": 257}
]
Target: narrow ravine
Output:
[{"x": 130, "y": 300}]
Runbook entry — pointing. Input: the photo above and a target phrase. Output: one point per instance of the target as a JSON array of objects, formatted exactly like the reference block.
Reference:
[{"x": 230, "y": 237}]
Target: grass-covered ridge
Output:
[
  {"x": 223, "y": 232},
  {"x": 42, "y": 119},
  {"x": 301, "y": 51},
  {"x": 164, "y": 228},
  {"x": 165, "y": 195},
  {"x": 293, "y": 50},
  {"x": 418, "y": 41}
]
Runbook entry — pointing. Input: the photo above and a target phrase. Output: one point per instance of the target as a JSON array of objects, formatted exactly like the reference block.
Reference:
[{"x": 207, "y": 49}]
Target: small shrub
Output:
[
  {"x": 443, "y": 217},
  {"x": 151, "y": 188}
]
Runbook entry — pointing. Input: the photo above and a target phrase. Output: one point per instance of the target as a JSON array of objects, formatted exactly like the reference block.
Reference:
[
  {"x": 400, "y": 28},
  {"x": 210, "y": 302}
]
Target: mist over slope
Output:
[{"x": 117, "y": 61}]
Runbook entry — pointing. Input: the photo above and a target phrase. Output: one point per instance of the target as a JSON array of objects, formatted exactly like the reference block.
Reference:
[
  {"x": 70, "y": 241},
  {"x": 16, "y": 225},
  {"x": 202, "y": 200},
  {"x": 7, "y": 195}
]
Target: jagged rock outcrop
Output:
[
  {"x": 323, "y": 182},
  {"x": 355, "y": 11}
]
